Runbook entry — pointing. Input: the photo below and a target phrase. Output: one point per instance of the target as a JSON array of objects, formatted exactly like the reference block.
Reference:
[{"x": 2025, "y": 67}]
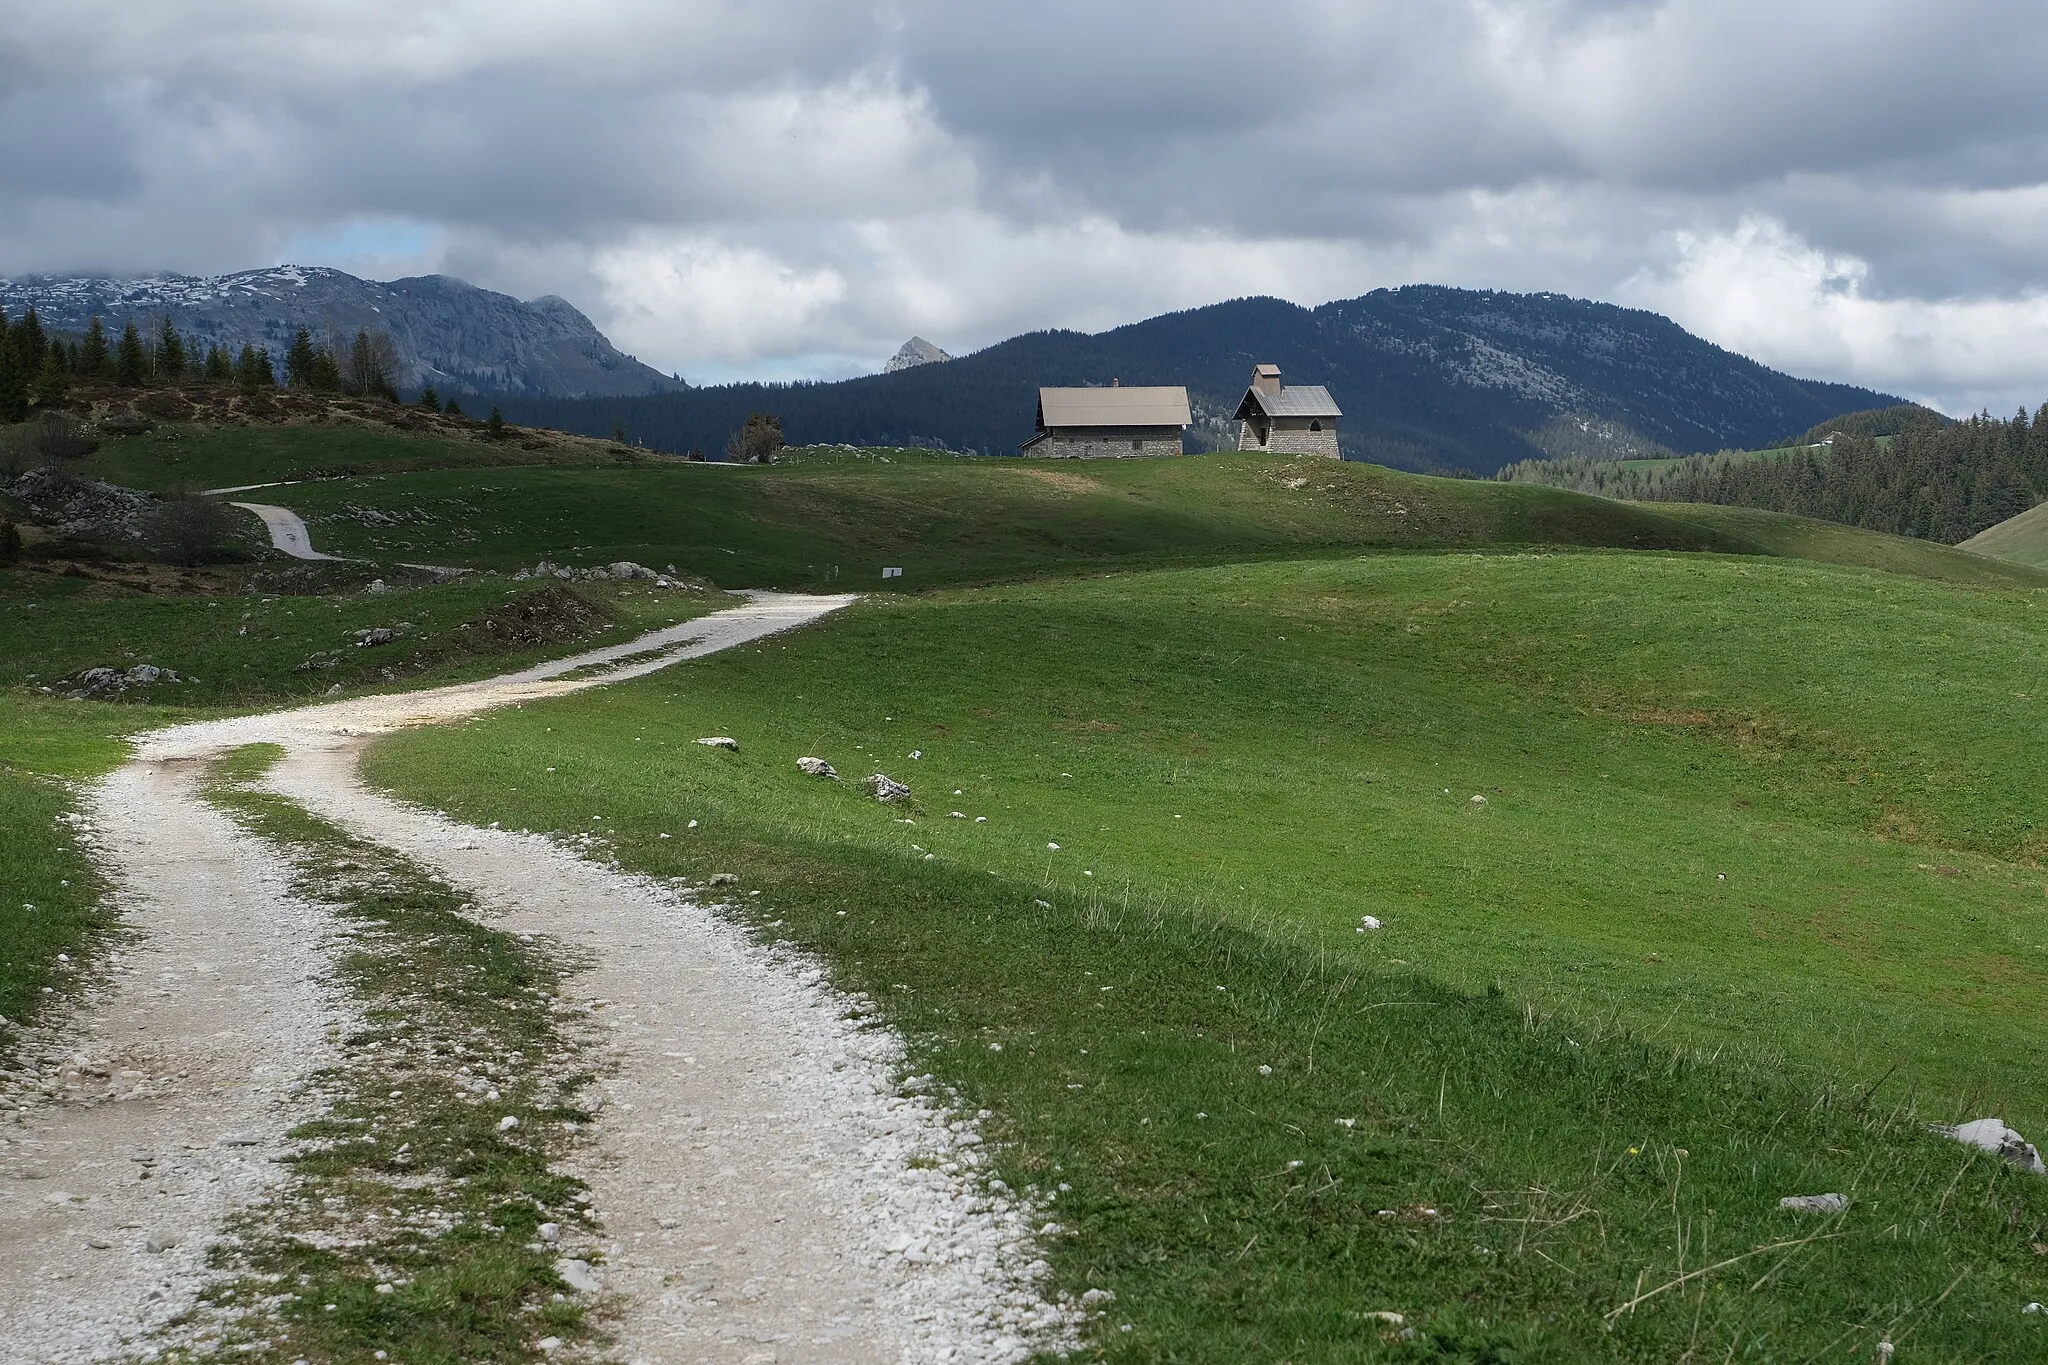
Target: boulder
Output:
[
  {"x": 720, "y": 742},
  {"x": 1814, "y": 1203},
  {"x": 817, "y": 767},
  {"x": 1991, "y": 1135},
  {"x": 886, "y": 788}
]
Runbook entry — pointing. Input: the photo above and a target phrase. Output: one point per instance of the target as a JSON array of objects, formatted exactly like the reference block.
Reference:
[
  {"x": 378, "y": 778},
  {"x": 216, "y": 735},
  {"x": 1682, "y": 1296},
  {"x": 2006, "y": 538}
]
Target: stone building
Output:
[
  {"x": 1095, "y": 423},
  {"x": 1296, "y": 420}
]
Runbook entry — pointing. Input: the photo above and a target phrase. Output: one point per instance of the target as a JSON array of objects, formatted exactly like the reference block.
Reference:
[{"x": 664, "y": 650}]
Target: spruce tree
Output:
[
  {"x": 299, "y": 360},
  {"x": 253, "y": 370},
  {"x": 131, "y": 363},
  {"x": 13, "y": 378},
  {"x": 29, "y": 341},
  {"x": 495, "y": 423},
  {"x": 430, "y": 400},
  {"x": 170, "y": 354},
  {"x": 52, "y": 385},
  {"x": 220, "y": 367},
  {"x": 93, "y": 360}
]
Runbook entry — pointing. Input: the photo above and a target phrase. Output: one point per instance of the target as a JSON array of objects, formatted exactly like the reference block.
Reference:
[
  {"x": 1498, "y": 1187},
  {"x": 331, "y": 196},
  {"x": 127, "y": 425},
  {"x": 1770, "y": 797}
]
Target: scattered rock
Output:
[
  {"x": 1366, "y": 922},
  {"x": 886, "y": 788},
  {"x": 725, "y": 879},
  {"x": 1814, "y": 1203},
  {"x": 1478, "y": 800},
  {"x": 237, "y": 1140},
  {"x": 378, "y": 635},
  {"x": 1991, "y": 1135},
  {"x": 333, "y": 691},
  {"x": 378, "y": 585},
  {"x": 95, "y": 684},
  {"x": 817, "y": 767},
  {"x": 549, "y": 1232},
  {"x": 161, "y": 1240},
  {"x": 578, "y": 1276},
  {"x": 1096, "y": 1298},
  {"x": 720, "y": 742},
  {"x": 508, "y": 1123},
  {"x": 549, "y": 1343}
]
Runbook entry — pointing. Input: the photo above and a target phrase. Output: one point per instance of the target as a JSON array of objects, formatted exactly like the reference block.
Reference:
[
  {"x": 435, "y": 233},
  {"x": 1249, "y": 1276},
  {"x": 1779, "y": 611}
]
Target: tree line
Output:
[
  {"x": 1934, "y": 482},
  {"x": 38, "y": 368}
]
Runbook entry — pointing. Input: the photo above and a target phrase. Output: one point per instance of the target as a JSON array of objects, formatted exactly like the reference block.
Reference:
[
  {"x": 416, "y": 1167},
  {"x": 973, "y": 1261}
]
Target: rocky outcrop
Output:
[
  {"x": 913, "y": 353},
  {"x": 448, "y": 333}
]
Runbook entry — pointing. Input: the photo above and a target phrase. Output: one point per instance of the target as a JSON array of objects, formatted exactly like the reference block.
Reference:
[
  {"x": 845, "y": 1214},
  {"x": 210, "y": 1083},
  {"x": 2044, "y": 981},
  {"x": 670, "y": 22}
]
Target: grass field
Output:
[
  {"x": 1751, "y": 895},
  {"x": 947, "y": 520},
  {"x": 2019, "y": 540}
]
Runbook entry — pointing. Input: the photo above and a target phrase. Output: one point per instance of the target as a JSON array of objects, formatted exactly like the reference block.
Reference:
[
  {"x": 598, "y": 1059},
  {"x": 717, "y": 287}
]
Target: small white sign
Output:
[{"x": 892, "y": 573}]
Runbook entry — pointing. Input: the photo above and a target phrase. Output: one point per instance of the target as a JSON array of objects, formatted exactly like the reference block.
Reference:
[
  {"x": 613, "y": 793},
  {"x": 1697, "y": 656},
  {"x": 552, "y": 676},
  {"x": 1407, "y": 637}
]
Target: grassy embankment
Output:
[
  {"x": 1752, "y": 895},
  {"x": 2017, "y": 540},
  {"x": 946, "y": 520},
  {"x": 245, "y": 652}
]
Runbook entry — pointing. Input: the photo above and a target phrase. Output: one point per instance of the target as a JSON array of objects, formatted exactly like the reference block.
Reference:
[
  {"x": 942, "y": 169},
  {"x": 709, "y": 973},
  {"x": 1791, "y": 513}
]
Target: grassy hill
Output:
[
  {"x": 2017, "y": 540},
  {"x": 1702, "y": 882},
  {"x": 448, "y": 495}
]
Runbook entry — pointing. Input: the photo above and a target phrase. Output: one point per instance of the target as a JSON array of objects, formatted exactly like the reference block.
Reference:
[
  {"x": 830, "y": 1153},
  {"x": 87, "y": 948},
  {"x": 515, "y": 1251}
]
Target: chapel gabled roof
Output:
[{"x": 1296, "y": 400}]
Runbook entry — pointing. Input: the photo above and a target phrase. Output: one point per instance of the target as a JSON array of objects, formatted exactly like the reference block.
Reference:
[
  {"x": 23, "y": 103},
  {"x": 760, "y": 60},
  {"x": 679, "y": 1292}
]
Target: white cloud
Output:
[{"x": 1761, "y": 289}]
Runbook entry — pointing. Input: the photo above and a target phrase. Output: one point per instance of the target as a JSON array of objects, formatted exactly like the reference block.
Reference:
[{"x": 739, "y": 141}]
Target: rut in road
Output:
[{"x": 753, "y": 1163}]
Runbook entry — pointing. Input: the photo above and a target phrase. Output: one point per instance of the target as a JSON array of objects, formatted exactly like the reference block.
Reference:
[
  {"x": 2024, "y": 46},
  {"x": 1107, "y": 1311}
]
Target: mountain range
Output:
[
  {"x": 1428, "y": 377},
  {"x": 448, "y": 333}
]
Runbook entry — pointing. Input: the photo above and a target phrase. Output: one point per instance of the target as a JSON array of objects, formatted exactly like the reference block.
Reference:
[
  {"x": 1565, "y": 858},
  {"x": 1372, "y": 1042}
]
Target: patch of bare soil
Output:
[
  {"x": 545, "y": 616},
  {"x": 1058, "y": 478}
]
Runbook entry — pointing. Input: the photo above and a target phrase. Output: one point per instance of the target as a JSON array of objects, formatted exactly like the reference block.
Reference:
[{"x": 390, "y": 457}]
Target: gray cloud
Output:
[{"x": 789, "y": 187}]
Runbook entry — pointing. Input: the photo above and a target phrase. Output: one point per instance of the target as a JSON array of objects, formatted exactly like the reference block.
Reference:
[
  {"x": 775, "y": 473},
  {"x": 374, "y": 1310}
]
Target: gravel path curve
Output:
[
  {"x": 752, "y": 1164},
  {"x": 287, "y": 530}
]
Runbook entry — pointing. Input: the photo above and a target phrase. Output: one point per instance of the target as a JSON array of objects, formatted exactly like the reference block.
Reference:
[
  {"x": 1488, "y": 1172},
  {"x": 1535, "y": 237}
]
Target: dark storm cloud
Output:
[{"x": 792, "y": 185}]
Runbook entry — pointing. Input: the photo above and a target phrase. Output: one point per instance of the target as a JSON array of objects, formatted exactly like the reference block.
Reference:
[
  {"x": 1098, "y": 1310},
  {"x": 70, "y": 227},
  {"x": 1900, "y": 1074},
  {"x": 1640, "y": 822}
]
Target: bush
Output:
[
  {"x": 758, "y": 442},
  {"x": 10, "y": 542},
  {"x": 189, "y": 530}
]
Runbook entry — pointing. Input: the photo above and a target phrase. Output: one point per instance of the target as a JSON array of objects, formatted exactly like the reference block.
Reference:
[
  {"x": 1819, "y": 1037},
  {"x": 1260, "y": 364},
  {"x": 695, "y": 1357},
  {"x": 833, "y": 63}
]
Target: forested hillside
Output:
[
  {"x": 1941, "y": 481},
  {"x": 1428, "y": 377}
]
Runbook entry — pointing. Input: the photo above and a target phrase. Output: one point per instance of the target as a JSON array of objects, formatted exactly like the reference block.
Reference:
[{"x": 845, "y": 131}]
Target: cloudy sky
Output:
[{"x": 789, "y": 188}]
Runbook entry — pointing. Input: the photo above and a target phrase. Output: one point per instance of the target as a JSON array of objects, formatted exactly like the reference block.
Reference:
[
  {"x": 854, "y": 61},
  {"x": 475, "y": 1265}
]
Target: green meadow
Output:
[
  {"x": 1749, "y": 899},
  {"x": 1701, "y": 844}
]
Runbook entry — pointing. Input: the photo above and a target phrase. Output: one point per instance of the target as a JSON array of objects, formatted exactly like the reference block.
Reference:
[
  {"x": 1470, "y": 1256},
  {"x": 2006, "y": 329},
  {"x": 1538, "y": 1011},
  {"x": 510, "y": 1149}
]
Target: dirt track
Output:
[{"x": 753, "y": 1165}]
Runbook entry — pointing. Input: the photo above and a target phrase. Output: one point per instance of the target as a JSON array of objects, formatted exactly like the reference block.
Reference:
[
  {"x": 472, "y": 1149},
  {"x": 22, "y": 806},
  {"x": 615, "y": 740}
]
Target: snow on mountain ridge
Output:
[{"x": 448, "y": 332}]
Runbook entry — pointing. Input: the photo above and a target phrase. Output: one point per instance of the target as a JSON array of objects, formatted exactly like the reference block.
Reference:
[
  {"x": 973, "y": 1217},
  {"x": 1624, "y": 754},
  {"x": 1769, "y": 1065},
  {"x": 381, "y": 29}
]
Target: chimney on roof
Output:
[{"x": 1266, "y": 379}]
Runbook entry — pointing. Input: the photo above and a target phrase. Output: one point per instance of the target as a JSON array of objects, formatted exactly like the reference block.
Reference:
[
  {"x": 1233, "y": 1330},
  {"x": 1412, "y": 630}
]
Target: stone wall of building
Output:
[
  {"x": 1103, "y": 447},
  {"x": 1292, "y": 436}
]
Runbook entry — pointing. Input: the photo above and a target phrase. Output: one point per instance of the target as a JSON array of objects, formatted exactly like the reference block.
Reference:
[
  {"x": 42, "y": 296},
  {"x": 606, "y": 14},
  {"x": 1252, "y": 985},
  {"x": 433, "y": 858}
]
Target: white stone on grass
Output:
[{"x": 1991, "y": 1135}]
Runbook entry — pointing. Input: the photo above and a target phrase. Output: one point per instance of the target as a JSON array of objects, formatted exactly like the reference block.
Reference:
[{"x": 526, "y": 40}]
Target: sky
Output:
[{"x": 790, "y": 188}]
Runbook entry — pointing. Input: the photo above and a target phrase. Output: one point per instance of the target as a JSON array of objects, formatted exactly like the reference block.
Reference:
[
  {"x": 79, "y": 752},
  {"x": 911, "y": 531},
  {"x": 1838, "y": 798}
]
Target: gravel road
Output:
[{"x": 752, "y": 1162}]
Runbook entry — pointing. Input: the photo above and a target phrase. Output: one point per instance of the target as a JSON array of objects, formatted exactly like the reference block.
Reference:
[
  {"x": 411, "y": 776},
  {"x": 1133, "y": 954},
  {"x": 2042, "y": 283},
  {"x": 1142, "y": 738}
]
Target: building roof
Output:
[
  {"x": 1296, "y": 400},
  {"x": 1114, "y": 407}
]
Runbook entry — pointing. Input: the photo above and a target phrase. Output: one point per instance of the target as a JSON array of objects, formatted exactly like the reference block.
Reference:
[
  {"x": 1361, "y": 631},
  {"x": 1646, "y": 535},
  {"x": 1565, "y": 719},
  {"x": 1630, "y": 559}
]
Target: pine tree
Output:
[
  {"x": 52, "y": 385},
  {"x": 252, "y": 370},
  {"x": 29, "y": 341},
  {"x": 170, "y": 354},
  {"x": 13, "y": 378},
  {"x": 495, "y": 423},
  {"x": 299, "y": 360},
  {"x": 430, "y": 400},
  {"x": 220, "y": 367},
  {"x": 131, "y": 363},
  {"x": 93, "y": 360},
  {"x": 454, "y": 409}
]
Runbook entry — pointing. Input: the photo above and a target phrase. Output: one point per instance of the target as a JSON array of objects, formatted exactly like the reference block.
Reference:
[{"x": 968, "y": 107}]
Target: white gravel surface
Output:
[
  {"x": 287, "y": 531},
  {"x": 161, "y": 1108},
  {"x": 751, "y": 1163}
]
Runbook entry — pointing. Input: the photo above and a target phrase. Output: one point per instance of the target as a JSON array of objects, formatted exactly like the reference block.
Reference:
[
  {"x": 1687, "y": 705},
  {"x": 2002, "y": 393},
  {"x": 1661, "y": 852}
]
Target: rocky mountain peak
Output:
[{"x": 914, "y": 352}]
